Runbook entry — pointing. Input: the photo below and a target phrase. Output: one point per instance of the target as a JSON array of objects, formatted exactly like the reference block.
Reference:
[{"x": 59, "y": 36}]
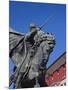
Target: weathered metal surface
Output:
[{"x": 30, "y": 53}]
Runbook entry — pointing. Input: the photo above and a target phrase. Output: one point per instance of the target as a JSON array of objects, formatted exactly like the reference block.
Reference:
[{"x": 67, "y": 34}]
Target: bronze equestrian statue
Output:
[{"x": 30, "y": 54}]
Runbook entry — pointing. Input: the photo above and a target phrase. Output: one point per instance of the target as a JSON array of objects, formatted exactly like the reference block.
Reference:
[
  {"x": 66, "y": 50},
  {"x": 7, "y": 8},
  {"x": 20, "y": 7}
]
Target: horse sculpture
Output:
[{"x": 30, "y": 56}]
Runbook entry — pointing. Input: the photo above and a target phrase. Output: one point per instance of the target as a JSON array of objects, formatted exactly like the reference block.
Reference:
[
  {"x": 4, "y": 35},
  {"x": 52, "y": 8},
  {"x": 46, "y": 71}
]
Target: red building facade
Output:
[{"x": 56, "y": 73}]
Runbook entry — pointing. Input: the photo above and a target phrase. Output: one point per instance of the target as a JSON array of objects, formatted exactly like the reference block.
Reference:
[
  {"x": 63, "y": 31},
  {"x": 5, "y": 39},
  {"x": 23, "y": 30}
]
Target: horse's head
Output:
[{"x": 50, "y": 39}]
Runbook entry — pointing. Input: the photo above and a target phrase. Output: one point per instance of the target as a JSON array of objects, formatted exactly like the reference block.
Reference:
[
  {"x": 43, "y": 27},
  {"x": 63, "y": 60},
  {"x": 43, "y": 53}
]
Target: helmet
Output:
[{"x": 32, "y": 26}]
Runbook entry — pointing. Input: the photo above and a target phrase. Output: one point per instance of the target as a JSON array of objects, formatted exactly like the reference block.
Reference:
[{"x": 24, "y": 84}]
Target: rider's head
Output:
[{"x": 32, "y": 26}]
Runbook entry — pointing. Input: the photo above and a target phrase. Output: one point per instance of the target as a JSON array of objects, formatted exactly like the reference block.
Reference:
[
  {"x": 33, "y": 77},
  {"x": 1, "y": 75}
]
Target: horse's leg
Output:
[
  {"x": 37, "y": 83},
  {"x": 41, "y": 80},
  {"x": 17, "y": 84}
]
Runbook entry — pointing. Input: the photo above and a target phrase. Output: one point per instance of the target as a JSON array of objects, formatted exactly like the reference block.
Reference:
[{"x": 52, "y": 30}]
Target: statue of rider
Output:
[
  {"x": 38, "y": 45},
  {"x": 39, "y": 37},
  {"x": 35, "y": 39}
]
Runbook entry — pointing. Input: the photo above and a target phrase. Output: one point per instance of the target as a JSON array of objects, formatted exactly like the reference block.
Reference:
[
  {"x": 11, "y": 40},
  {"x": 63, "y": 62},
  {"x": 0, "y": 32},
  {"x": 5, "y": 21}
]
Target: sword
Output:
[{"x": 48, "y": 19}]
